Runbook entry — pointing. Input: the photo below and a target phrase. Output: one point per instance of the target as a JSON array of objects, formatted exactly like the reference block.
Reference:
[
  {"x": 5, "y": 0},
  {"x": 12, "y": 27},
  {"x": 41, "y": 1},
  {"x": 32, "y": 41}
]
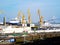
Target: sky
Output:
[{"x": 48, "y": 8}]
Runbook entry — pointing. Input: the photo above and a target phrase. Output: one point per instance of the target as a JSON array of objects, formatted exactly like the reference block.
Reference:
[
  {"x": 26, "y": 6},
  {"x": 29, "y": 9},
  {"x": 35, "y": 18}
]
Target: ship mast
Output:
[{"x": 29, "y": 16}]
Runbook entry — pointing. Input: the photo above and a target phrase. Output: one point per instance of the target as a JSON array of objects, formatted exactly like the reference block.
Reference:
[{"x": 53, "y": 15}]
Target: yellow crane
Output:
[
  {"x": 23, "y": 19},
  {"x": 29, "y": 16},
  {"x": 19, "y": 14},
  {"x": 40, "y": 18}
]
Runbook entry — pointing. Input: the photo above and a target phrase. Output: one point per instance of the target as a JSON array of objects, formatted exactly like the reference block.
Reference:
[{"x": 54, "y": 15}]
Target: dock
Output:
[
  {"x": 22, "y": 38},
  {"x": 30, "y": 38}
]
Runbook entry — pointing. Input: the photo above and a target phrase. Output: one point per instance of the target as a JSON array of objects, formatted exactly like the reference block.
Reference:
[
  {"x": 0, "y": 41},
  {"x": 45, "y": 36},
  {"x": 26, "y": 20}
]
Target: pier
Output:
[{"x": 30, "y": 38}]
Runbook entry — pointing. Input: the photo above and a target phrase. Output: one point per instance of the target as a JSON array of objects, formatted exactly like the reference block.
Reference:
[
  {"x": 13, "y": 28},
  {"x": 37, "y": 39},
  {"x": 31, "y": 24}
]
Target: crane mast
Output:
[
  {"x": 29, "y": 16},
  {"x": 18, "y": 16},
  {"x": 41, "y": 21},
  {"x": 23, "y": 19},
  {"x": 40, "y": 18}
]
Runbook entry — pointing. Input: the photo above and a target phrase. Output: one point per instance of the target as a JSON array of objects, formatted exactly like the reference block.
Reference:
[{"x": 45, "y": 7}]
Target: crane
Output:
[
  {"x": 18, "y": 16},
  {"x": 29, "y": 16},
  {"x": 40, "y": 18},
  {"x": 23, "y": 19}
]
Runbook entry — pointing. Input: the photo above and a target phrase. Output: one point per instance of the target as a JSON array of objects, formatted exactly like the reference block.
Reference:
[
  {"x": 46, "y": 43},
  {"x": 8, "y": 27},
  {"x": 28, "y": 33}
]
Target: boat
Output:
[{"x": 14, "y": 21}]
